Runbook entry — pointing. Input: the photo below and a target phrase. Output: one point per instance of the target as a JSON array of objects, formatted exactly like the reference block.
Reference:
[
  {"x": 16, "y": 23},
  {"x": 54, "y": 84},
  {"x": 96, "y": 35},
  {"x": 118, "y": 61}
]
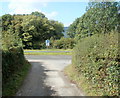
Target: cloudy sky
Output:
[{"x": 65, "y": 11}]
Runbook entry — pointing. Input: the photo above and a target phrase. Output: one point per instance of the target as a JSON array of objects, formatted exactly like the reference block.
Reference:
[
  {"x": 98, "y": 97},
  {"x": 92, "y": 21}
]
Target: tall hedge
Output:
[
  {"x": 96, "y": 58},
  {"x": 12, "y": 61}
]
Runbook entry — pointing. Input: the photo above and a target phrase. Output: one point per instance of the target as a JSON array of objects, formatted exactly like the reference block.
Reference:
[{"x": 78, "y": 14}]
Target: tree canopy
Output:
[
  {"x": 33, "y": 28},
  {"x": 100, "y": 17},
  {"x": 36, "y": 13}
]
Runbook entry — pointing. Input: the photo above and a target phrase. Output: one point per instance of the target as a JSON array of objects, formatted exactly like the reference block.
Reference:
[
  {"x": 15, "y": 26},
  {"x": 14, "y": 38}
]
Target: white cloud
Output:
[
  {"x": 24, "y": 7},
  {"x": 27, "y": 7},
  {"x": 51, "y": 15}
]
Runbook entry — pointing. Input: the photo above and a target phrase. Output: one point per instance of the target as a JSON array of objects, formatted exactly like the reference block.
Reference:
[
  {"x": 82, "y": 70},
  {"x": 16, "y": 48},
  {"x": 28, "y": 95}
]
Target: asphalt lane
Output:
[
  {"x": 46, "y": 77},
  {"x": 48, "y": 57}
]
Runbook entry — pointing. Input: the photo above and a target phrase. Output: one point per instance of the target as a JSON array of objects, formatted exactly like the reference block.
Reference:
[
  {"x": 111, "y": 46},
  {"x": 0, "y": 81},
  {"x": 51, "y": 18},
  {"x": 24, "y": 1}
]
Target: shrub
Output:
[
  {"x": 64, "y": 43},
  {"x": 97, "y": 59},
  {"x": 12, "y": 61}
]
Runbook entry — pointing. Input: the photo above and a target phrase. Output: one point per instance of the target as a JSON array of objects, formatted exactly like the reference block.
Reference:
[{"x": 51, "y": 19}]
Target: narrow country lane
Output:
[{"x": 46, "y": 78}]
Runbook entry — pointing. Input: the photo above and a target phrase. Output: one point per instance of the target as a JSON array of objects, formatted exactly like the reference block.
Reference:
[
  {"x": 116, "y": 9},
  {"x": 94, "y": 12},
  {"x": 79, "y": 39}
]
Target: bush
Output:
[
  {"x": 14, "y": 70},
  {"x": 64, "y": 43},
  {"x": 12, "y": 61},
  {"x": 97, "y": 59}
]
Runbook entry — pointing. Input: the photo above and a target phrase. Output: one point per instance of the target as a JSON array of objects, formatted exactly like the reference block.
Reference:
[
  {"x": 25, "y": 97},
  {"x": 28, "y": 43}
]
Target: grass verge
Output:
[
  {"x": 43, "y": 52},
  {"x": 48, "y": 50},
  {"x": 11, "y": 87},
  {"x": 47, "y": 53},
  {"x": 81, "y": 82}
]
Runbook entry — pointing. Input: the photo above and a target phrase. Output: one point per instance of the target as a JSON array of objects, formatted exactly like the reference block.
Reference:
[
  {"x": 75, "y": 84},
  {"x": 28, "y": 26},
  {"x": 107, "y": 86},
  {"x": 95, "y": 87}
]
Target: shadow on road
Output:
[{"x": 34, "y": 84}]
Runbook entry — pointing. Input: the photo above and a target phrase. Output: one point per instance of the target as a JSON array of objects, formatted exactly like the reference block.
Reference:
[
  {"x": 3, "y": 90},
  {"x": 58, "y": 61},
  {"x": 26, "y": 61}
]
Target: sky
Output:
[{"x": 65, "y": 11}]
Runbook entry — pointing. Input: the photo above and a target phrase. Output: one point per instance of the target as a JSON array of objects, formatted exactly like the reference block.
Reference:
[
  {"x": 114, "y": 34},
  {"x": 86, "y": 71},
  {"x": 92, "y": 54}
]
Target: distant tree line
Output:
[{"x": 31, "y": 29}]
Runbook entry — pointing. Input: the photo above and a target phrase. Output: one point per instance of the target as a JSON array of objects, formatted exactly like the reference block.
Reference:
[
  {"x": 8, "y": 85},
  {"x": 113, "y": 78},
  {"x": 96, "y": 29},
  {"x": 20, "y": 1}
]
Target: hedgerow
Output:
[
  {"x": 14, "y": 65},
  {"x": 63, "y": 43},
  {"x": 12, "y": 61},
  {"x": 97, "y": 59}
]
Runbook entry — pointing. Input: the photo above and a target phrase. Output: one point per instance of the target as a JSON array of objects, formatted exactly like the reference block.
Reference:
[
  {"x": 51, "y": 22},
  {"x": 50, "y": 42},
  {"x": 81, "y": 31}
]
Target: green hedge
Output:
[
  {"x": 12, "y": 61},
  {"x": 14, "y": 70},
  {"x": 63, "y": 43},
  {"x": 97, "y": 59}
]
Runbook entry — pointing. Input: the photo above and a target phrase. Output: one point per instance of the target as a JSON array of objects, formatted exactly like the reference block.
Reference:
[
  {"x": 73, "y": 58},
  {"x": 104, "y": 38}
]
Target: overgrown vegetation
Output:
[{"x": 96, "y": 61}]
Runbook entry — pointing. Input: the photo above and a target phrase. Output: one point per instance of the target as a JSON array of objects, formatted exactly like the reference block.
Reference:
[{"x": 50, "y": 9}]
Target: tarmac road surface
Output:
[{"x": 46, "y": 77}]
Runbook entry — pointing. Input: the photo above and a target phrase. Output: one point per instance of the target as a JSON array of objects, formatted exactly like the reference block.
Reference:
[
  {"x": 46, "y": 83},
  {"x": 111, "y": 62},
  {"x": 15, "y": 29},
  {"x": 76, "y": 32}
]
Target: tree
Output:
[
  {"x": 33, "y": 29},
  {"x": 72, "y": 28},
  {"x": 100, "y": 17},
  {"x": 57, "y": 29},
  {"x": 39, "y": 14},
  {"x": 6, "y": 21},
  {"x": 41, "y": 29},
  {"x": 105, "y": 14}
]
